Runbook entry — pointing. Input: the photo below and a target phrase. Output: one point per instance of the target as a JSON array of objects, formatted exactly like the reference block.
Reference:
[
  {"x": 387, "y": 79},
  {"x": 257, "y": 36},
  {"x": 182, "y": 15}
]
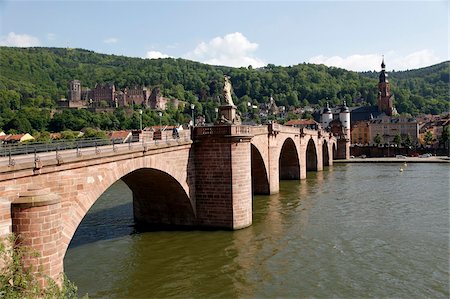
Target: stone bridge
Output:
[{"x": 206, "y": 179}]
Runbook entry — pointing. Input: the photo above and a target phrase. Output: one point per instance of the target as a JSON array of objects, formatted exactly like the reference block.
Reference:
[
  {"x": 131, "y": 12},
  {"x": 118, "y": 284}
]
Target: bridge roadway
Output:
[{"x": 206, "y": 179}]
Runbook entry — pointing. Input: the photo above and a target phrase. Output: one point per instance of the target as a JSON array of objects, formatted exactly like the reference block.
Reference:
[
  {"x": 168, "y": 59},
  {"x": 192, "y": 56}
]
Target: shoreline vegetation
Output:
[{"x": 20, "y": 281}]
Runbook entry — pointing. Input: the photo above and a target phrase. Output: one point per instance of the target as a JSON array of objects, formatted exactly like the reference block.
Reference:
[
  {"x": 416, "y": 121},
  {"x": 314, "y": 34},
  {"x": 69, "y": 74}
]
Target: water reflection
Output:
[{"x": 349, "y": 231}]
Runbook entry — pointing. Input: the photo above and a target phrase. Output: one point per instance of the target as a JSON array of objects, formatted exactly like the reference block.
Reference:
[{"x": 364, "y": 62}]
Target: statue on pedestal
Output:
[
  {"x": 227, "y": 91},
  {"x": 227, "y": 111}
]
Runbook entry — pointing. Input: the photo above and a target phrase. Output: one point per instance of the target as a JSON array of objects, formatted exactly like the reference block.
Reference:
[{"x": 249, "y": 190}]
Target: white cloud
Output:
[
  {"x": 156, "y": 55},
  {"x": 233, "y": 49},
  {"x": 19, "y": 40},
  {"x": 111, "y": 40},
  {"x": 368, "y": 62}
]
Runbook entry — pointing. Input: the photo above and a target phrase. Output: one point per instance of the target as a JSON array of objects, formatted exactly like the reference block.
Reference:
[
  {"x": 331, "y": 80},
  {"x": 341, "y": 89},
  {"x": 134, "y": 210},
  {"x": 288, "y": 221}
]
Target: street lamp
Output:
[
  {"x": 160, "y": 115},
  {"x": 192, "y": 109},
  {"x": 140, "y": 119}
]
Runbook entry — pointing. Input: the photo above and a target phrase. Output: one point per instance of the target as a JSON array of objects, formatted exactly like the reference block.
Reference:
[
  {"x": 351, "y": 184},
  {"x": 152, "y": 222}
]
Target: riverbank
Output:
[{"x": 433, "y": 159}]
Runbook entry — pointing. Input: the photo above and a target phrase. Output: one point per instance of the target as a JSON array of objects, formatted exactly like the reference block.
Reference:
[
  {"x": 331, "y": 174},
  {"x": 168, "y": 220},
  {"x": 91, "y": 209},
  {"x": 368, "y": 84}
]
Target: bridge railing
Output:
[
  {"x": 10, "y": 155},
  {"x": 57, "y": 145}
]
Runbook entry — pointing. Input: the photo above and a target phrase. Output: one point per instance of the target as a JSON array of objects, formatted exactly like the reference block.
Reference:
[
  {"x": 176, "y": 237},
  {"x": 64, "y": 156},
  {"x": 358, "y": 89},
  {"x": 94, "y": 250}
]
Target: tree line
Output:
[{"x": 32, "y": 80}]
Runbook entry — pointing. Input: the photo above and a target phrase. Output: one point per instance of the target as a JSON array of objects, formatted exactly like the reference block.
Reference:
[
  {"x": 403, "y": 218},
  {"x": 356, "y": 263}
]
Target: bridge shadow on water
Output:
[
  {"x": 109, "y": 223},
  {"x": 118, "y": 221}
]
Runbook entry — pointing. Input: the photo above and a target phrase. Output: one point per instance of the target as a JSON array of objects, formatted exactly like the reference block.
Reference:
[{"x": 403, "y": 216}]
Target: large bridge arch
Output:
[
  {"x": 288, "y": 161},
  {"x": 162, "y": 188},
  {"x": 260, "y": 179},
  {"x": 325, "y": 153},
  {"x": 311, "y": 156}
]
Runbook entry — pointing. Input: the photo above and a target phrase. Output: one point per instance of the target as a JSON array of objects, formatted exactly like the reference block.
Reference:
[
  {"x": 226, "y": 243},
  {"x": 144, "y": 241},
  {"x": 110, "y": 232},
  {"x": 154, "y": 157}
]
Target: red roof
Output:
[
  {"x": 119, "y": 134},
  {"x": 15, "y": 137}
]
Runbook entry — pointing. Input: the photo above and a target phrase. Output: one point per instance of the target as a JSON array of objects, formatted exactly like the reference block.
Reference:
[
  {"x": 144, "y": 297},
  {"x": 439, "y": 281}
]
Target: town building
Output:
[
  {"x": 388, "y": 127},
  {"x": 433, "y": 125},
  {"x": 360, "y": 133},
  {"x": 15, "y": 138}
]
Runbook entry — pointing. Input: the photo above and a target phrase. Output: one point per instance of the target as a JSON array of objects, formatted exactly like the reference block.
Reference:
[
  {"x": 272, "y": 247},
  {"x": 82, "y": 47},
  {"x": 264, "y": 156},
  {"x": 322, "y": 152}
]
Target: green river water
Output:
[{"x": 350, "y": 231}]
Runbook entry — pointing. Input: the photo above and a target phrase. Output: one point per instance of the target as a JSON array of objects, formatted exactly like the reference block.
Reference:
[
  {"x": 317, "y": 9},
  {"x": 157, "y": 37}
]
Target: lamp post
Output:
[
  {"x": 160, "y": 115},
  {"x": 140, "y": 119},
  {"x": 192, "y": 109}
]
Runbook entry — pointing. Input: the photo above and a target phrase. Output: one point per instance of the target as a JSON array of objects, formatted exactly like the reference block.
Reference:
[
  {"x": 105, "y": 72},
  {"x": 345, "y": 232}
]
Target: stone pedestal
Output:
[{"x": 228, "y": 115}]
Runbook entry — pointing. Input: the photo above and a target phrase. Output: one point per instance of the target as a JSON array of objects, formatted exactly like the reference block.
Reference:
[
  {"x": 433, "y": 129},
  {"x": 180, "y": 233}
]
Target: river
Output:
[{"x": 350, "y": 231}]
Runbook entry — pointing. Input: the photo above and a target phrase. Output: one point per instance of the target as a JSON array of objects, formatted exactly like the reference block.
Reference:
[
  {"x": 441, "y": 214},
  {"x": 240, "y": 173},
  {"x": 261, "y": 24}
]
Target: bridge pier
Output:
[
  {"x": 223, "y": 177},
  {"x": 36, "y": 221}
]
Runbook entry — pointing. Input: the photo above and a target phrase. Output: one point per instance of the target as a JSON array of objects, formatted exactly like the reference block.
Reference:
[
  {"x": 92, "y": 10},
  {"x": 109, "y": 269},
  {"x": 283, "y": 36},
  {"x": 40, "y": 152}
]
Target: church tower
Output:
[{"x": 385, "y": 99}]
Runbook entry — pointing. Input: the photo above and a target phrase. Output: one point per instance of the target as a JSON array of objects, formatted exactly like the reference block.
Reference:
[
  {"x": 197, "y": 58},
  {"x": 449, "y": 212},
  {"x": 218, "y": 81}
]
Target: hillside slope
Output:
[{"x": 38, "y": 77}]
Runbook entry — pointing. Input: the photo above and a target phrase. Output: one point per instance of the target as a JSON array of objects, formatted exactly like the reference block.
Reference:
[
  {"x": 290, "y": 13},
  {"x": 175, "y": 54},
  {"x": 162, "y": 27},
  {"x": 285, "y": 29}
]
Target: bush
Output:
[{"x": 17, "y": 281}]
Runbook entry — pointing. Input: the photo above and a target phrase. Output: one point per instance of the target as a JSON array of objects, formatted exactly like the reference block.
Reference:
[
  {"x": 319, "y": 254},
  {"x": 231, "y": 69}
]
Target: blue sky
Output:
[{"x": 348, "y": 34}]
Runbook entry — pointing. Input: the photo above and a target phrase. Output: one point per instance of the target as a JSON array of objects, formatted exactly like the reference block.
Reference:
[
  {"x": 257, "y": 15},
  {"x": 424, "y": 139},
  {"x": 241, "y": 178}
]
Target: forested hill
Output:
[
  {"x": 39, "y": 77},
  {"x": 424, "y": 90}
]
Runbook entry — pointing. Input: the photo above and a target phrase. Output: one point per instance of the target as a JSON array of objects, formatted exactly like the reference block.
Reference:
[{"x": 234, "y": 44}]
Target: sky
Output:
[{"x": 348, "y": 34}]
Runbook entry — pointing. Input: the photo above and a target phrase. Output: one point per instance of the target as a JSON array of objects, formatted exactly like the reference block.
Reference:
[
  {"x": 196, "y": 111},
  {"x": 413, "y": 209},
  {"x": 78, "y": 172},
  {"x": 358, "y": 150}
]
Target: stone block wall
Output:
[{"x": 223, "y": 183}]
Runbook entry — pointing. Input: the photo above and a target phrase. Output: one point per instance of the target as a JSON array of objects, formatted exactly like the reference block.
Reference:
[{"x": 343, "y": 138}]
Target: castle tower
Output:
[
  {"x": 74, "y": 91},
  {"x": 344, "y": 117},
  {"x": 385, "y": 99},
  {"x": 327, "y": 116}
]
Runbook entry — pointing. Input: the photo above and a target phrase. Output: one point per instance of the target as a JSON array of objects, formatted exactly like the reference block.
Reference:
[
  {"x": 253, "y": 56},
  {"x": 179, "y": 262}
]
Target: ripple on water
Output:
[{"x": 352, "y": 231}]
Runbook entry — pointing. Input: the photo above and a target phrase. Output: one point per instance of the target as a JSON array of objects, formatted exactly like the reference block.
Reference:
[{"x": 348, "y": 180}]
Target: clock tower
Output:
[{"x": 385, "y": 99}]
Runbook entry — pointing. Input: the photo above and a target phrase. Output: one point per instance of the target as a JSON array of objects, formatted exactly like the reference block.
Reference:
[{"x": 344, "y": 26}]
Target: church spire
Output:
[{"x": 383, "y": 75}]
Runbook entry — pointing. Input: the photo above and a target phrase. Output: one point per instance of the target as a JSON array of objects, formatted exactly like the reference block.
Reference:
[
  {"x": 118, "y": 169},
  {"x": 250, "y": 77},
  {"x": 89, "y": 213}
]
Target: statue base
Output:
[{"x": 228, "y": 115}]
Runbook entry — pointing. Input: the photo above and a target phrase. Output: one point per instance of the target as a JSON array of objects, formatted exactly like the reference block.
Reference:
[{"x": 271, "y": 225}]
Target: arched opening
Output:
[
  {"x": 158, "y": 199},
  {"x": 260, "y": 182},
  {"x": 145, "y": 199},
  {"x": 311, "y": 156},
  {"x": 289, "y": 165},
  {"x": 334, "y": 151},
  {"x": 325, "y": 156}
]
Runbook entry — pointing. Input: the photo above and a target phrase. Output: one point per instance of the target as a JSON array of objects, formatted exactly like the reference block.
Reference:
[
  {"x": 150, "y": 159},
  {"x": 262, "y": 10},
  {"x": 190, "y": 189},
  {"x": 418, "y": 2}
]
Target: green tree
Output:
[
  {"x": 445, "y": 137},
  {"x": 377, "y": 139},
  {"x": 428, "y": 138},
  {"x": 398, "y": 140},
  {"x": 407, "y": 142}
]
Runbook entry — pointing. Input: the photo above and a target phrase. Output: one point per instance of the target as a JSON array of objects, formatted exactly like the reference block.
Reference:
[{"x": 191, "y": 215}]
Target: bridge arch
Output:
[
  {"x": 158, "y": 198},
  {"x": 162, "y": 192},
  {"x": 260, "y": 179},
  {"x": 311, "y": 156},
  {"x": 334, "y": 151},
  {"x": 325, "y": 153},
  {"x": 289, "y": 163}
]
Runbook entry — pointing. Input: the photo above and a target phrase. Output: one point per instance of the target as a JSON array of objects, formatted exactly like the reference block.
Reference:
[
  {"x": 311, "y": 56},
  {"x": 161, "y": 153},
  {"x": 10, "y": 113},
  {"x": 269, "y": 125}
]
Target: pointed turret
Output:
[{"x": 327, "y": 116}]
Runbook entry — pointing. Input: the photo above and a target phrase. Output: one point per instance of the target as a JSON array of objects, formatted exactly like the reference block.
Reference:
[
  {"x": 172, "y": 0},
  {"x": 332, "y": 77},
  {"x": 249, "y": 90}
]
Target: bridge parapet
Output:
[
  {"x": 238, "y": 130},
  {"x": 259, "y": 130},
  {"x": 36, "y": 162}
]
